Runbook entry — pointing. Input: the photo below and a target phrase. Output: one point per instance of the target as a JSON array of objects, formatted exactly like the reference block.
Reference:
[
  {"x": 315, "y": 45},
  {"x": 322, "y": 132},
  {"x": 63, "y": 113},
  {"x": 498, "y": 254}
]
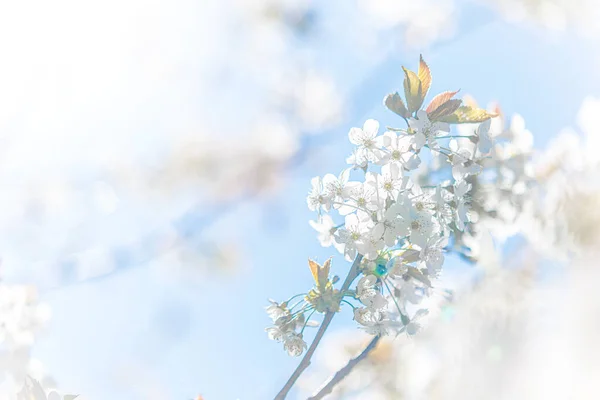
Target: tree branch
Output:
[
  {"x": 352, "y": 274},
  {"x": 342, "y": 373}
]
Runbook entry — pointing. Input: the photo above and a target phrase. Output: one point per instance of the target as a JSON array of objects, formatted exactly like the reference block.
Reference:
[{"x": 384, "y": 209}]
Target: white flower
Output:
[
  {"x": 389, "y": 183},
  {"x": 277, "y": 332},
  {"x": 433, "y": 255},
  {"x": 317, "y": 197},
  {"x": 461, "y": 198},
  {"x": 358, "y": 160},
  {"x": 337, "y": 188},
  {"x": 419, "y": 223},
  {"x": 362, "y": 198},
  {"x": 353, "y": 234},
  {"x": 368, "y": 292},
  {"x": 426, "y": 131},
  {"x": 373, "y": 321},
  {"x": 326, "y": 229},
  {"x": 365, "y": 139},
  {"x": 463, "y": 163},
  {"x": 276, "y": 310},
  {"x": 399, "y": 151},
  {"x": 485, "y": 140},
  {"x": 372, "y": 243},
  {"x": 294, "y": 344},
  {"x": 443, "y": 211},
  {"x": 394, "y": 227}
]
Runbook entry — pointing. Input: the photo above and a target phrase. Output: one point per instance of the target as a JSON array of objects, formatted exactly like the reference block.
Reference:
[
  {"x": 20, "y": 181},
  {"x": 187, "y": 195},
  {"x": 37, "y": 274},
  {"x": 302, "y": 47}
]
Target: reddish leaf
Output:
[{"x": 439, "y": 99}]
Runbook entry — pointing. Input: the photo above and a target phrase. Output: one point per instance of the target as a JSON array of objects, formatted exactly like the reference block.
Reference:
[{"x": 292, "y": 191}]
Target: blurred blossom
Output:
[
  {"x": 562, "y": 216},
  {"x": 22, "y": 317},
  {"x": 512, "y": 336},
  {"x": 100, "y": 129},
  {"x": 417, "y": 23},
  {"x": 467, "y": 349},
  {"x": 558, "y": 15}
]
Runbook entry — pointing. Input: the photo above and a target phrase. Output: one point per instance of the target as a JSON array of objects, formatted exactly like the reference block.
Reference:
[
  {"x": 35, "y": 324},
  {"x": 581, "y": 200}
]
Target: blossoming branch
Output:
[{"x": 393, "y": 228}]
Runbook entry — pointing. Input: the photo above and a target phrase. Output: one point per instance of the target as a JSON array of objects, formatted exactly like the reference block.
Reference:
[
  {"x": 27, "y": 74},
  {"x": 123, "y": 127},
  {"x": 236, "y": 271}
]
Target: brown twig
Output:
[
  {"x": 352, "y": 274},
  {"x": 345, "y": 371}
]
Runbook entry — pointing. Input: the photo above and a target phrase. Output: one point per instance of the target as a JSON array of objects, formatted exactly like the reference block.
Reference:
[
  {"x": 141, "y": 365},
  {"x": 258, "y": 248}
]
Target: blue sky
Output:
[{"x": 207, "y": 336}]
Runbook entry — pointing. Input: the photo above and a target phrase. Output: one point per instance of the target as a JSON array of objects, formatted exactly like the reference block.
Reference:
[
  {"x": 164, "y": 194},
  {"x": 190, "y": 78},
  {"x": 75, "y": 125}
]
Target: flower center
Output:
[{"x": 414, "y": 225}]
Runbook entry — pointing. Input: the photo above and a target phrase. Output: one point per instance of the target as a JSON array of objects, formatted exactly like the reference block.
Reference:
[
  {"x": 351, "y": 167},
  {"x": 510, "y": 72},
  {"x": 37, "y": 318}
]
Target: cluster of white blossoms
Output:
[
  {"x": 394, "y": 228},
  {"x": 22, "y": 317},
  {"x": 561, "y": 213},
  {"x": 500, "y": 188}
]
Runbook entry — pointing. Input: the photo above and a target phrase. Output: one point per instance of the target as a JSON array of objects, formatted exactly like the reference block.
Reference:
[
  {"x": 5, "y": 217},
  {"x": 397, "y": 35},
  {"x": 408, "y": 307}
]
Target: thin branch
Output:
[
  {"x": 352, "y": 274},
  {"x": 344, "y": 372}
]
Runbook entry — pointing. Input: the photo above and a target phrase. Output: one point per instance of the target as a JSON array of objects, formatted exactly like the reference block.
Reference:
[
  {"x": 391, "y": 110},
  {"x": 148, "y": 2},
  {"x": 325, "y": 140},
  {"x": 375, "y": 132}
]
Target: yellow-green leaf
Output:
[
  {"x": 320, "y": 273},
  {"x": 467, "y": 114},
  {"x": 424, "y": 75},
  {"x": 394, "y": 103},
  {"x": 413, "y": 90},
  {"x": 438, "y": 100},
  {"x": 445, "y": 109}
]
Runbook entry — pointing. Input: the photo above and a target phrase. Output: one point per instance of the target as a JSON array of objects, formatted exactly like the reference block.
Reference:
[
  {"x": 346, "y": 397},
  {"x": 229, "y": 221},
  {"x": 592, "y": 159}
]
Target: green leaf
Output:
[
  {"x": 394, "y": 103},
  {"x": 411, "y": 255},
  {"x": 438, "y": 100},
  {"x": 445, "y": 109},
  {"x": 418, "y": 275},
  {"x": 467, "y": 114},
  {"x": 413, "y": 90},
  {"x": 70, "y": 396},
  {"x": 424, "y": 76}
]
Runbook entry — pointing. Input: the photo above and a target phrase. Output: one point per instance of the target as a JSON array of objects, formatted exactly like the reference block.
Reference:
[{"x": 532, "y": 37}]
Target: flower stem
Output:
[
  {"x": 352, "y": 274},
  {"x": 454, "y": 137},
  {"x": 293, "y": 297},
  {"x": 345, "y": 371},
  {"x": 306, "y": 322}
]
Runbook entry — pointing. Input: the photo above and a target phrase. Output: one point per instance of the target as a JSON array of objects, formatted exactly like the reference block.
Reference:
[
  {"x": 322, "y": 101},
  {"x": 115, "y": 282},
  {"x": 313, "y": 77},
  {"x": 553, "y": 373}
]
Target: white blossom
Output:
[
  {"x": 337, "y": 187},
  {"x": 369, "y": 294},
  {"x": 461, "y": 197},
  {"x": 362, "y": 198},
  {"x": 318, "y": 198},
  {"x": 294, "y": 344},
  {"x": 353, "y": 234},
  {"x": 426, "y": 131},
  {"x": 399, "y": 151},
  {"x": 364, "y": 139},
  {"x": 389, "y": 183},
  {"x": 420, "y": 223},
  {"x": 373, "y": 321}
]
